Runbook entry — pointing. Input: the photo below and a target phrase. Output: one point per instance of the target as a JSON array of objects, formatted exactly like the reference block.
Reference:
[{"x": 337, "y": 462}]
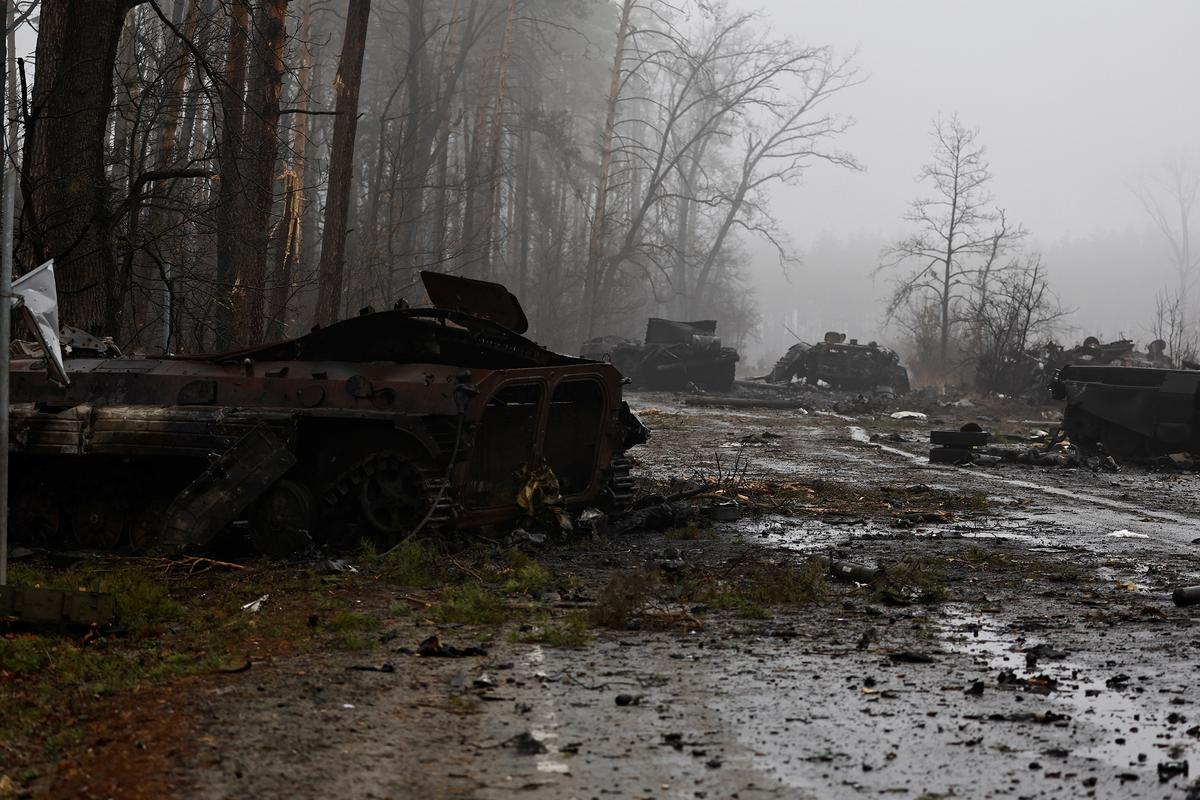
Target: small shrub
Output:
[
  {"x": 622, "y": 597},
  {"x": 529, "y": 578},
  {"x": 470, "y": 604},
  {"x": 141, "y": 599},
  {"x": 412, "y": 564}
]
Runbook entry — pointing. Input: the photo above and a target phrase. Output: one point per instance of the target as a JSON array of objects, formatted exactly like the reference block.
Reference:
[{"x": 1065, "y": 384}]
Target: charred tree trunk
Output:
[
  {"x": 262, "y": 148},
  {"x": 341, "y": 164}
]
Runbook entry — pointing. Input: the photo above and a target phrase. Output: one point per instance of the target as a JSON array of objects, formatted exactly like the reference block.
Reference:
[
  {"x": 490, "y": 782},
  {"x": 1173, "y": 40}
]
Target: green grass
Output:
[
  {"x": 758, "y": 586},
  {"x": 471, "y": 604},
  {"x": 570, "y": 631},
  {"x": 413, "y": 564},
  {"x": 530, "y": 578}
]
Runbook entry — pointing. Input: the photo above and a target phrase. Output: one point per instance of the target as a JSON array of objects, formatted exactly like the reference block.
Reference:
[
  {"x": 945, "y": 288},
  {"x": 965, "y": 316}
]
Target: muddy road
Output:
[{"x": 1024, "y": 645}]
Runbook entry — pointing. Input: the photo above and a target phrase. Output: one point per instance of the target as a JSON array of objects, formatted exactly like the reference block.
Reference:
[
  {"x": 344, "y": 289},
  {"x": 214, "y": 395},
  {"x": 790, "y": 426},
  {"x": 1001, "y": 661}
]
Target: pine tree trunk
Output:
[
  {"x": 597, "y": 242},
  {"x": 230, "y": 211},
  {"x": 331, "y": 271},
  {"x": 262, "y": 149}
]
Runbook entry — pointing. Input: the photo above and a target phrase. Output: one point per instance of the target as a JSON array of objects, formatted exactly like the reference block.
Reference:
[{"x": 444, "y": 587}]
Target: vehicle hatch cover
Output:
[{"x": 490, "y": 301}]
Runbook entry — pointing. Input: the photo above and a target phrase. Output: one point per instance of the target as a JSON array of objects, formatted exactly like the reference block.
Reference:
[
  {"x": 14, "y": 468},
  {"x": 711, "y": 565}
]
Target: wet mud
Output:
[{"x": 1052, "y": 663}]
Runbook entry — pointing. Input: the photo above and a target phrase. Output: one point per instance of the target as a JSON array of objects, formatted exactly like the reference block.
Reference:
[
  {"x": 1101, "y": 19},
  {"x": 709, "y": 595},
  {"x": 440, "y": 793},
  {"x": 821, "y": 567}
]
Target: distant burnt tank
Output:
[
  {"x": 675, "y": 356},
  {"x": 1130, "y": 412},
  {"x": 842, "y": 365},
  {"x": 427, "y": 419}
]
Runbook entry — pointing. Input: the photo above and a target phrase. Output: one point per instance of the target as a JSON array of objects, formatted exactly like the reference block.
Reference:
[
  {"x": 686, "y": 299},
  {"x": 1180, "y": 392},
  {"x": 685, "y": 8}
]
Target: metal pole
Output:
[{"x": 6, "y": 267}]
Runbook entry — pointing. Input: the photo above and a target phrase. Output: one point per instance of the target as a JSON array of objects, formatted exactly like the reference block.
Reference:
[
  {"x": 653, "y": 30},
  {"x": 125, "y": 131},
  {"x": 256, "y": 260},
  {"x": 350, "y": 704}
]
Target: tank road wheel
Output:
[
  {"x": 98, "y": 522},
  {"x": 392, "y": 497},
  {"x": 282, "y": 519}
]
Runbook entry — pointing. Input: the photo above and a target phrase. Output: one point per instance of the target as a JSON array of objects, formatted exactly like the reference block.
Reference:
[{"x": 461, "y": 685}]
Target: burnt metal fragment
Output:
[
  {"x": 958, "y": 447},
  {"x": 57, "y": 606}
]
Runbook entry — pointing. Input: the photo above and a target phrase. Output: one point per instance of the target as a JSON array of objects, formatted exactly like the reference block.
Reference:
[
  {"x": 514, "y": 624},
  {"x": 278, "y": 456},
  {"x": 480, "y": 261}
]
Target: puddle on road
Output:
[
  {"x": 1113, "y": 724},
  {"x": 807, "y": 535}
]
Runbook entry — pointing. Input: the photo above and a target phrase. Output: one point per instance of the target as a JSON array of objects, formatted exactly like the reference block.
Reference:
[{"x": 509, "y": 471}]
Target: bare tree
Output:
[
  {"x": 960, "y": 239},
  {"x": 1019, "y": 311},
  {"x": 1173, "y": 326},
  {"x": 1169, "y": 197}
]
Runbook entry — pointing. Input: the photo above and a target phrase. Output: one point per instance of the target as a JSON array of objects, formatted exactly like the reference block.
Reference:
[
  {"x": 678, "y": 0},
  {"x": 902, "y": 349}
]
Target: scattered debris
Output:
[
  {"x": 254, "y": 606},
  {"x": 1186, "y": 596},
  {"x": 958, "y": 447},
  {"x": 432, "y": 647}
]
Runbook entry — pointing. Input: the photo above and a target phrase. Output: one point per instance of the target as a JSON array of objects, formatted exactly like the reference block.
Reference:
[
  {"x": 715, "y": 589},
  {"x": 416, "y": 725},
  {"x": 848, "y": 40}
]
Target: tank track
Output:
[{"x": 619, "y": 485}]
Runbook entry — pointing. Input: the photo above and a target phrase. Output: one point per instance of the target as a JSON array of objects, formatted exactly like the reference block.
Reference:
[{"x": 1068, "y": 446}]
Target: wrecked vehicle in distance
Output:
[
  {"x": 675, "y": 356},
  {"x": 841, "y": 365},
  {"x": 1028, "y": 374},
  {"x": 385, "y": 424}
]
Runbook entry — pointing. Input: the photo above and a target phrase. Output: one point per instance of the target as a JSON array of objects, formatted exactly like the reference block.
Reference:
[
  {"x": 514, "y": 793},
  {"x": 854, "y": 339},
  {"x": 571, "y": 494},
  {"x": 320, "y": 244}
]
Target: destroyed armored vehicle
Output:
[
  {"x": 1130, "y": 412},
  {"x": 851, "y": 366},
  {"x": 675, "y": 356},
  {"x": 383, "y": 425}
]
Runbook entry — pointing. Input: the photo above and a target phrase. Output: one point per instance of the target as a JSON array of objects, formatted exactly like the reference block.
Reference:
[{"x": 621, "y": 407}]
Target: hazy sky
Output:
[{"x": 1074, "y": 99}]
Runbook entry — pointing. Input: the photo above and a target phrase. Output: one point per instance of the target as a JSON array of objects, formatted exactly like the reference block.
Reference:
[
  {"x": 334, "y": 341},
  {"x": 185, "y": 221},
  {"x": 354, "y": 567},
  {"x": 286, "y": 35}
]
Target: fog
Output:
[
  {"x": 1074, "y": 100},
  {"x": 567, "y": 149}
]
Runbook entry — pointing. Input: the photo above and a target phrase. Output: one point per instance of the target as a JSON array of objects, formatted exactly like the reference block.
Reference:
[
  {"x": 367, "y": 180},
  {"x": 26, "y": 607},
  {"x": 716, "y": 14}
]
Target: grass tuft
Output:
[
  {"x": 625, "y": 594},
  {"x": 570, "y": 631},
  {"x": 471, "y": 604}
]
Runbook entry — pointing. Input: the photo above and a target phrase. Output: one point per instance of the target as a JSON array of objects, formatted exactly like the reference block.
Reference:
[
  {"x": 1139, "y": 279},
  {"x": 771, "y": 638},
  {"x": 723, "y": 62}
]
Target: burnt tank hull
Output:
[
  {"x": 1131, "y": 412},
  {"x": 675, "y": 356},
  {"x": 852, "y": 367},
  {"x": 388, "y": 423}
]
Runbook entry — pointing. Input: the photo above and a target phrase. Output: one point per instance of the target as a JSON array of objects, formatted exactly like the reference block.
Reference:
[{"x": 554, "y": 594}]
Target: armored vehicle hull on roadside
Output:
[
  {"x": 385, "y": 424},
  {"x": 1132, "y": 412}
]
